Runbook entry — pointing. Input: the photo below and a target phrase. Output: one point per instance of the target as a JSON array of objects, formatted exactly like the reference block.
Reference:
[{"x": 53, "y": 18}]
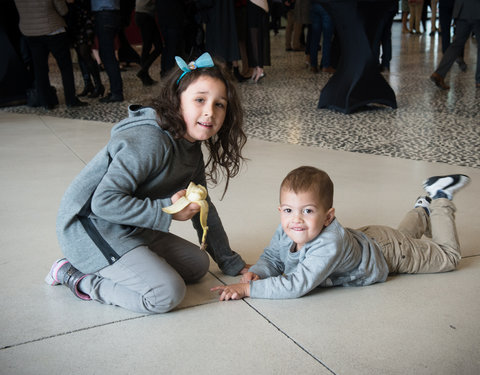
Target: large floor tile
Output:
[
  {"x": 212, "y": 339},
  {"x": 411, "y": 324}
]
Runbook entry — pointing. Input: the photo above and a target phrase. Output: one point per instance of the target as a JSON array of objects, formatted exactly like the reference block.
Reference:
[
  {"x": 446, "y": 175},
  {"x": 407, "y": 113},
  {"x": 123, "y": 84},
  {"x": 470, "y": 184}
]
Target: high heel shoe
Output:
[
  {"x": 256, "y": 79},
  {"x": 87, "y": 89},
  {"x": 98, "y": 91}
]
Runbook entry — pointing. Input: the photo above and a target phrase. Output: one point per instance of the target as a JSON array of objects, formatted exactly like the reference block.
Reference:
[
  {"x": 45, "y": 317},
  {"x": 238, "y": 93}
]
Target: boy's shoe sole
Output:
[{"x": 449, "y": 184}]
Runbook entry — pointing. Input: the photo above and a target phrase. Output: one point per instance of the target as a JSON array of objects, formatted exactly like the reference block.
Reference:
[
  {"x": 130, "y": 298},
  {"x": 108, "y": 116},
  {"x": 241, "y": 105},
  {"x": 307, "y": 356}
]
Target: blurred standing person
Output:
[
  {"x": 433, "y": 19},
  {"x": 126, "y": 53},
  {"x": 276, "y": 14},
  {"x": 467, "y": 19},
  {"x": 405, "y": 13},
  {"x": 82, "y": 33},
  {"x": 289, "y": 34},
  {"x": 445, "y": 10},
  {"x": 145, "y": 20},
  {"x": 258, "y": 37},
  {"x": 107, "y": 25},
  {"x": 301, "y": 18},
  {"x": 171, "y": 14},
  {"x": 242, "y": 35},
  {"x": 390, "y": 9},
  {"x": 221, "y": 39},
  {"x": 321, "y": 23},
  {"x": 42, "y": 23},
  {"x": 416, "y": 7}
]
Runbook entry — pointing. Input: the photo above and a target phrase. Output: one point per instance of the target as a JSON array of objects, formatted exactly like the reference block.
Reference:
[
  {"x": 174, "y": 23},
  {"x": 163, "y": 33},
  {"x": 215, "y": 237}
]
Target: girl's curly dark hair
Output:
[{"x": 225, "y": 148}]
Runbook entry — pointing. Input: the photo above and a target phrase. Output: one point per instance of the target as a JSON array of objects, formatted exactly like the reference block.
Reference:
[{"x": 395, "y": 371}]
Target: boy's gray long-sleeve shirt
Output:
[
  {"x": 115, "y": 204},
  {"x": 337, "y": 256}
]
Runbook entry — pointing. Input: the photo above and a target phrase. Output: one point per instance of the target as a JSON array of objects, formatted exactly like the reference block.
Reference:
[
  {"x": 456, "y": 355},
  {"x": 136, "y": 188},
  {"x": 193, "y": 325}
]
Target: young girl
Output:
[{"x": 110, "y": 224}]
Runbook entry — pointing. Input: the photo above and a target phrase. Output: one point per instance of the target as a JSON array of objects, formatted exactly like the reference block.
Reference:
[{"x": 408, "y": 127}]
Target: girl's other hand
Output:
[{"x": 188, "y": 212}]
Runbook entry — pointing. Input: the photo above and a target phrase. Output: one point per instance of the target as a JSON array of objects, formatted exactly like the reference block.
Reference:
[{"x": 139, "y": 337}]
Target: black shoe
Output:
[
  {"x": 77, "y": 103},
  {"x": 462, "y": 65},
  {"x": 145, "y": 78},
  {"x": 87, "y": 89},
  {"x": 110, "y": 98},
  {"x": 98, "y": 91},
  {"x": 238, "y": 76},
  {"x": 439, "y": 81}
]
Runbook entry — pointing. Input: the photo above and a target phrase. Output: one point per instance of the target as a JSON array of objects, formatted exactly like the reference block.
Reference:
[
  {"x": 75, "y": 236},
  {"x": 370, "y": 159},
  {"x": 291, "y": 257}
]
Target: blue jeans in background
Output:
[{"x": 320, "y": 22}]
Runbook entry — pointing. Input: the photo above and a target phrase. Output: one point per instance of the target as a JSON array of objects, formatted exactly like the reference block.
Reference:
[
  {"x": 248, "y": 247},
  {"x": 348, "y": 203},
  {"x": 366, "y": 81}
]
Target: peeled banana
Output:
[{"x": 195, "y": 194}]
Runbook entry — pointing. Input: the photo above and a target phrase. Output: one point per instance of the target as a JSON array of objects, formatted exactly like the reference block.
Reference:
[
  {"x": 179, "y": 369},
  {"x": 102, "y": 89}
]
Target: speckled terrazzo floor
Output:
[{"x": 429, "y": 124}]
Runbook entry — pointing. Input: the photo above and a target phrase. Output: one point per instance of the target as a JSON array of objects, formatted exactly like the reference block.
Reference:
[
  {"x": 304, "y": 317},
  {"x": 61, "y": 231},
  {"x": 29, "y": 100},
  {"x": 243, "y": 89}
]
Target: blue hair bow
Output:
[{"x": 204, "y": 61}]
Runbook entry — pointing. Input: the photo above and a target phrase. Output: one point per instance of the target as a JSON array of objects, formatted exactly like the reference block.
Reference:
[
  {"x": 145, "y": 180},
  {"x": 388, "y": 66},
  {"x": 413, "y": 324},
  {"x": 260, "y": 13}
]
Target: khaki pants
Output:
[{"x": 407, "y": 252}]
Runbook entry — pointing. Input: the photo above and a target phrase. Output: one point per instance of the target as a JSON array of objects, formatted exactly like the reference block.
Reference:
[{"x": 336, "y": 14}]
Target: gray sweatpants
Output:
[
  {"x": 149, "y": 279},
  {"x": 407, "y": 252}
]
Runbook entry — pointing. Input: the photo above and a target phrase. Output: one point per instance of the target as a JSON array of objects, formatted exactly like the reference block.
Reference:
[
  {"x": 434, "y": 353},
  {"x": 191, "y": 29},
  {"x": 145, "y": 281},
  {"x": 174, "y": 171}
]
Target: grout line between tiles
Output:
[
  {"x": 73, "y": 331},
  {"x": 62, "y": 141},
  {"x": 281, "y": 331},
  {"x": 290, "y": 338}
]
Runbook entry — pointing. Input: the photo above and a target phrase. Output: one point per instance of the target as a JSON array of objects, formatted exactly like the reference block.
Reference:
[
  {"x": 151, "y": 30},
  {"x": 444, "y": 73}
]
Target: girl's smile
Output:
[{"x": 203, "y": 107}]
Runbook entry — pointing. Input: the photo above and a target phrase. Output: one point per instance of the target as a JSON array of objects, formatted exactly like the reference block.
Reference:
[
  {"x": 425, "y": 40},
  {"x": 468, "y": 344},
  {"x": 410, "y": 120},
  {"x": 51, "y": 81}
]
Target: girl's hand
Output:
[
  {"x": 188, "y": 212},
  {"x": 234, "y": 291},
  {"x": 245, "y": 269},
  {"x": 249, "y": 276}
]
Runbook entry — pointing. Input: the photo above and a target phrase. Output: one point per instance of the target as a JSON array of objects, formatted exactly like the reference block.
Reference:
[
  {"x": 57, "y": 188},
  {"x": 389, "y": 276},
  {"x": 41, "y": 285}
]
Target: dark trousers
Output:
[
  {"x": 172, "y": 37},
  {"x": 321, "y": 22},
  {"x": 41, "y": 47},
  {"x": 463, "y": 30},
  {"x": 150, "y": 36},
  {"x": 107, "y": 25},
  {"x": 386, "y": 41},
  {"x": 445, "y": 9}
]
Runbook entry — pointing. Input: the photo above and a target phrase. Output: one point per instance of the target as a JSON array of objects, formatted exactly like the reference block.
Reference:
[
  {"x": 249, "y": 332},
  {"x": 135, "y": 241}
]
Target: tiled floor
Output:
[{"x": 411, "y": 324}]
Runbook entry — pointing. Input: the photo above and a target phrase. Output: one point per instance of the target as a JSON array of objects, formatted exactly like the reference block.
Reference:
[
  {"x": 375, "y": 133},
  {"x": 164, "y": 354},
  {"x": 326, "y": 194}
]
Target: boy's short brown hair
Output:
[{"x": 307, "y": 178}]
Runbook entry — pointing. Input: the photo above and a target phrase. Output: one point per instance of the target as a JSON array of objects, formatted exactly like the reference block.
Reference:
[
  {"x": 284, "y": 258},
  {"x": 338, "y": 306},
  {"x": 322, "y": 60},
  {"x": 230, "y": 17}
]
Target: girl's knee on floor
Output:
[{"x": 164, "y": 298}]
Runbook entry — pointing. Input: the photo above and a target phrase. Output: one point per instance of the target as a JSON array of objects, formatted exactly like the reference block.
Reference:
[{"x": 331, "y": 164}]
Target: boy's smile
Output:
[{"x": 302, "y": 216}]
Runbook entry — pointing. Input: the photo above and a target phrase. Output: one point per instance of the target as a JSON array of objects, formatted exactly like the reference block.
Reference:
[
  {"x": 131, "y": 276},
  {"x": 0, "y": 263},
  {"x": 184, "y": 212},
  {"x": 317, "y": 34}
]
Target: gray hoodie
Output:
[
  {"x": 115, "y": 204},
  {"x": 337, "y": 256}
]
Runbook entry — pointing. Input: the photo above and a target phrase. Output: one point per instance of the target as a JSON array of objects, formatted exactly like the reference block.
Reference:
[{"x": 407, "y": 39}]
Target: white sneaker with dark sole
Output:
[{"x": 448, "y": 184}]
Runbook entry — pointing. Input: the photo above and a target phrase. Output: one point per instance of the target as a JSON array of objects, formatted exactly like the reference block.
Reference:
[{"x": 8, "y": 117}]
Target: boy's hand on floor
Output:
[{"x": 234, "y": 291}]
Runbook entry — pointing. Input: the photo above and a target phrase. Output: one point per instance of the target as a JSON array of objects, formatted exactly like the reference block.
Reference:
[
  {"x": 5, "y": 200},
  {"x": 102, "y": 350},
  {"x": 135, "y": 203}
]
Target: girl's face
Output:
[
  {"x": 302, "y": 216},
  {"x": 203, "y": 106}
]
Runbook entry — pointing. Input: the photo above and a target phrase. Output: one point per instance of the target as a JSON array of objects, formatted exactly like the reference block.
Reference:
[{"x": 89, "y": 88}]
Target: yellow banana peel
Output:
[{"x": 195, "y": 194}]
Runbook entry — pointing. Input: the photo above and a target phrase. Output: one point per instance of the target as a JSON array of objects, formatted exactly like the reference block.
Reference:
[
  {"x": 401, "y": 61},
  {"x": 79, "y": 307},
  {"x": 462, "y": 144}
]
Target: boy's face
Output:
[
  {"x": 302, "y": 216},
  {"x": 204, "y": 107}
]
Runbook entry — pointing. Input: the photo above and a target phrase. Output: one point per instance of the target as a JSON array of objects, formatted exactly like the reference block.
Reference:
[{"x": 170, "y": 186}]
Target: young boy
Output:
[{"x": 311, "y": 248}]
